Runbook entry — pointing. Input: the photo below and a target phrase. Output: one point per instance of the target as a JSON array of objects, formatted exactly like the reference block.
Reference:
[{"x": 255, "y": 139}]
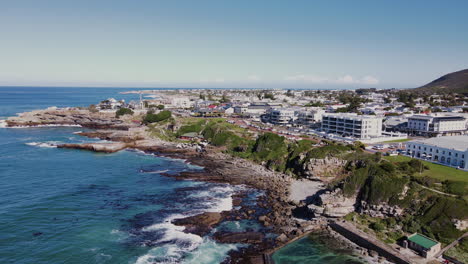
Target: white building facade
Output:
[
  {"x": 436, "y": 125},
  {"x": 450, "y": 151},
  {"x": 353, "y": 125},
  {"x": 281, "y": 116}
]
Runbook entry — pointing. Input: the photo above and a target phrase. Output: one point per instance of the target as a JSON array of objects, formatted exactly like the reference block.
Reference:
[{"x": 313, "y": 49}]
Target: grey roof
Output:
[
  {"x": 437, "y": 118},
  {"x": 459, "y": 143}
]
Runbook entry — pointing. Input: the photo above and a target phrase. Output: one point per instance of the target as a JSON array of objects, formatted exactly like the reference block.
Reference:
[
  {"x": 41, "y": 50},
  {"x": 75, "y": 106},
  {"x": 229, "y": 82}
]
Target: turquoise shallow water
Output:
[
  {"x": 309, "y": 251},
  {"x": 71, "y": 206}
]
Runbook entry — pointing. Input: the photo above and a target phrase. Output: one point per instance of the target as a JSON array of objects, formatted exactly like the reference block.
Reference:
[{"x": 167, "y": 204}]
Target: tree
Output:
[
  {"x": 153, "y": 118},
  {"x": 123, "y": 111}
]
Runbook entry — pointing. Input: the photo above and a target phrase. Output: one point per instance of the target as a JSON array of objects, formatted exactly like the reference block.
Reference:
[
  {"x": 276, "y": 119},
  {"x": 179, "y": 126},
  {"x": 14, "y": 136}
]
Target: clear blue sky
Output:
[{"x": 197, "y": 43}]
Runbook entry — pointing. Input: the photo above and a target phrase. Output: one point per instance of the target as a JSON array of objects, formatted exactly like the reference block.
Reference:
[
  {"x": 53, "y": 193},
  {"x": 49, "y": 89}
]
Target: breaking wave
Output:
[{"x": 48, "y": 144}]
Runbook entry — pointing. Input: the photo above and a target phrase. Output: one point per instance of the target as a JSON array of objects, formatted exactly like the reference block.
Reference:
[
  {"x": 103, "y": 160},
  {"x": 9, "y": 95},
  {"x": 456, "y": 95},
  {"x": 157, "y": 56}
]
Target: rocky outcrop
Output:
[
  {"x": 239, "y": 237},
  {"x": 460, "y": 224},
  {"x": 199, "y": 224},
  {"x": 69, "y": 117},
  {"x": 325, "y": 169},
  {"x": 380, "y": 210},
  {"x": 97, "y": 147},
  {"x": 333, "y": 204}
]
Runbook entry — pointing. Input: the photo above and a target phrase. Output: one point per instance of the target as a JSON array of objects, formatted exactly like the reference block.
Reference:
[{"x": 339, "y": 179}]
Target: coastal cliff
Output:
[{"x": 351, "y": 181}]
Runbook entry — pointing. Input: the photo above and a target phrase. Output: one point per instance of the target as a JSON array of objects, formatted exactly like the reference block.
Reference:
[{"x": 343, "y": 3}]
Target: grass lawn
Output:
[
  {"x": 397, "y": 140},
  {"x": 435, "y": 170}
]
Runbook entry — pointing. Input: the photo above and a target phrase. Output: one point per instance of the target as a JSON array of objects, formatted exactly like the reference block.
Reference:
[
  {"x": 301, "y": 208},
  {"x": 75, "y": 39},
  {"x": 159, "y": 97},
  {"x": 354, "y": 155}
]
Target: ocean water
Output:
[{"x": 72, "y": 206}]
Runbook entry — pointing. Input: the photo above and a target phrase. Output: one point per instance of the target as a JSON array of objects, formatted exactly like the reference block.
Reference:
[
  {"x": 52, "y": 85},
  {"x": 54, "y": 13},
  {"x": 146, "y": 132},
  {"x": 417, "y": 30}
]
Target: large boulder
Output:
[{"x": 199, "y": 224}]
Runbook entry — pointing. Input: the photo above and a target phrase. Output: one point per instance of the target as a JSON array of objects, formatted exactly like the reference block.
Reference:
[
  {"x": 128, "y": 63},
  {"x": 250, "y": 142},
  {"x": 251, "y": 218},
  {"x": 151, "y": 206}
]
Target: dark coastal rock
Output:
[
  {"x": 199, "y": 224},
  {"x": 239, "y": 237},
  {"x": 97, "y": 147}
]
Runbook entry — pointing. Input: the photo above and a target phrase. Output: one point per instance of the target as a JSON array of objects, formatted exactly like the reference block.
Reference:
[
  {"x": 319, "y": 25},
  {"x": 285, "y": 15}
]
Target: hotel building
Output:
[{"x": 353, "y": 125}]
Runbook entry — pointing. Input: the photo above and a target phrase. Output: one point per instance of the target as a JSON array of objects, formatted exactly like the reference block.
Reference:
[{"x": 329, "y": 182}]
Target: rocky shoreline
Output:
[{"x": 274, "y": 209}]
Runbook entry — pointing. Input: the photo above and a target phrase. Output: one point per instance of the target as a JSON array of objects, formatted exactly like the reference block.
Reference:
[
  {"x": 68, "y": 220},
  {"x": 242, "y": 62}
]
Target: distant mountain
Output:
[{"x": 455, "y": 82}]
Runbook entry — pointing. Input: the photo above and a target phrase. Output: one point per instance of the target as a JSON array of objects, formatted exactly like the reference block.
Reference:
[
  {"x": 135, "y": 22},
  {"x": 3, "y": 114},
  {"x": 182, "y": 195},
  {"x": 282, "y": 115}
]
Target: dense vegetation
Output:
[
  {"x": 376, "y": 181},
  {"x": 123, "y": 111},
  {"x": 407, "y": 183},
  {"x": 153, "y": 118}
]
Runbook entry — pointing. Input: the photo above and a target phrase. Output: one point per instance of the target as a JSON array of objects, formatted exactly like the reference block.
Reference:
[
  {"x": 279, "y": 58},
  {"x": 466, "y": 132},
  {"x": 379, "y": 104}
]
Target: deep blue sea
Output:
[{"x": 72, "y": 206}]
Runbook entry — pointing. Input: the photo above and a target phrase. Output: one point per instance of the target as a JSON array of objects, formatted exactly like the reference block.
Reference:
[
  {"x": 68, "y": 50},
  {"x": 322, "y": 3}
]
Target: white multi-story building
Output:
[
  {"x": 348, "y": 124},
  {"x": 181, "y": 102},
  {"x": 310, "y": 116},
  {"x": 281, "y": 116},
  {"x": 450, "y": 151},
  {"x": 436, "y": 125}
]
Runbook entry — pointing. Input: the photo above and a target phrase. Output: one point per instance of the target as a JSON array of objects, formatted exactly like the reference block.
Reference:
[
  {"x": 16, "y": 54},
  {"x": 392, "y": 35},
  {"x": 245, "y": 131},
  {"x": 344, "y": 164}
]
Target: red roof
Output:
[{"x": 212, "y": 106}]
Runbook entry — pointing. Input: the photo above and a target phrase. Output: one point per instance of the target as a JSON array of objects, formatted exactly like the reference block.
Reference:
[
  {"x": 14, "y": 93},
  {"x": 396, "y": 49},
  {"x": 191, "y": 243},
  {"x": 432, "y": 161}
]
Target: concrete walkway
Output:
[
  {"x": 454, "y": 243},
  {"x": 436, "y": 191}
]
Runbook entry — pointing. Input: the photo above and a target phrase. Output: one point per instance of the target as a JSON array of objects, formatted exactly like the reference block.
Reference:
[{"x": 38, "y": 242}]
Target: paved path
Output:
[
  {"x": 454, "y": 243},
  {"x": 439, "y": 192}
]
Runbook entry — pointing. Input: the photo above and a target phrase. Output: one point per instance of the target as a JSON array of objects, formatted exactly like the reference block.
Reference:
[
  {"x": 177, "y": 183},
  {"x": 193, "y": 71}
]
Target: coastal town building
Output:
[
  {"x": 426, "y": 247},
  {"x": 450, "y": 150},
  {"x": 310, "y": 117},
  {"x": 352, "y": 125},
  {"x": 281, "y": 116},
  {"x": 428, "y": 125}
]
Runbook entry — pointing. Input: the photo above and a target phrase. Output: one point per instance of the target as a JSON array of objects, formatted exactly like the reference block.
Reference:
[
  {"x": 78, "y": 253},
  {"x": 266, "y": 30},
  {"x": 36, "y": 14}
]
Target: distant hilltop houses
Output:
[{"x": 369, "y": 115}]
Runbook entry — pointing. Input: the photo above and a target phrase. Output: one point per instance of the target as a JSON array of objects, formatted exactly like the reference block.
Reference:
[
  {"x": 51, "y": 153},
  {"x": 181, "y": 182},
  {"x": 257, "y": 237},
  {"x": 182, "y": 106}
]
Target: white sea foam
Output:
[
  {"x": 154, "y": 172},
  {"x": 48, "y": 125},
  {"x": 178, "y": 242},
  {"x": 3, "y": 123},
  {"x": 209, "y": 252},
  {"x": 48, "y": 144}
]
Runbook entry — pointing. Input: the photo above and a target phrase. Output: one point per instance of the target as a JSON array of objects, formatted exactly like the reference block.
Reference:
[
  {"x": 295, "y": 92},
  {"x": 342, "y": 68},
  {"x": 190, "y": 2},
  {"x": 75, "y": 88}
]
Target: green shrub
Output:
[
  {"x": 197, "y": 128},
  {"x": 331, "y": 150},
  {"x": 123, "y": 111},
  {"x": 456, "y": 187},
  {"x": 377, "y": 226},
  {"x": 153, "y": 118}
]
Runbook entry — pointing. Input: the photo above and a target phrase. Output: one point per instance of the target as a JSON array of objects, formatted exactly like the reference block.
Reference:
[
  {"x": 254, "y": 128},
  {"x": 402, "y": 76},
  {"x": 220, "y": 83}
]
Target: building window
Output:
[
  {"x": 456, "y": 154},
  {"x": 450, "y": 153}
]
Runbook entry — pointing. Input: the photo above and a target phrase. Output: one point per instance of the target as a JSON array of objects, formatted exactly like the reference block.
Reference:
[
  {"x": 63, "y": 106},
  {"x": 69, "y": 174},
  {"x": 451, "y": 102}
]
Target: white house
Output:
[{"x": 450, "y": 150}]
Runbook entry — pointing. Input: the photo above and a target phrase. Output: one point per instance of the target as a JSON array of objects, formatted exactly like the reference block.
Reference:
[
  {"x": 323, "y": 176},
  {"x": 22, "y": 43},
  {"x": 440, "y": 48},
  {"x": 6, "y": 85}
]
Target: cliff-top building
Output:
[
  {"x": 450, "y": 151},
  {"x": 352, "y": 125},
  {"x": 436, "y": 125}
]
